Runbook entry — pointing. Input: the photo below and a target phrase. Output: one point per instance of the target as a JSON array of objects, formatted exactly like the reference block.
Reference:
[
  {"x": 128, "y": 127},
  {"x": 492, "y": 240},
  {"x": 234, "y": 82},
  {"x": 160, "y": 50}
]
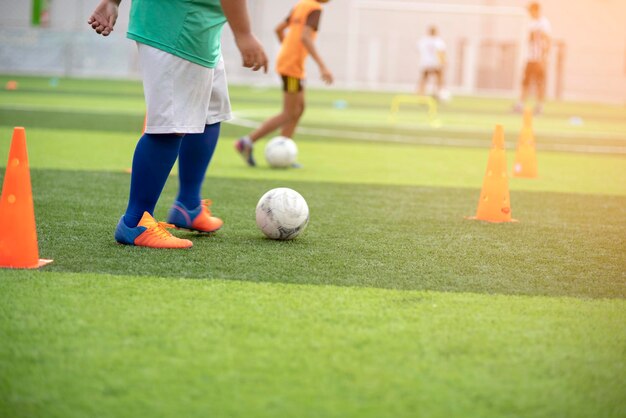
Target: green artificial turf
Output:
[
  {"x": 335, "y": 162},
  {"x": 118, "y": 106},
  {"x": 388, "y": 236},
  {"x": 126, "y": 346},
  {"x": 390, "y": 304}
]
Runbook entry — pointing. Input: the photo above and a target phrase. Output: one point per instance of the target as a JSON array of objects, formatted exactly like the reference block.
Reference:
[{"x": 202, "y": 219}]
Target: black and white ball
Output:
[
  {"x": 282, "y": 213},
  {"x": 281, "y": 152}
]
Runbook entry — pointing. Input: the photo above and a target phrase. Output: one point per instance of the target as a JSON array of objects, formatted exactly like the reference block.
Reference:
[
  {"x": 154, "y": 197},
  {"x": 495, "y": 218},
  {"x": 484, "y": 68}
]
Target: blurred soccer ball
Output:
[
  {"x": 282, "y": 213},
  {"x": 281, "y": 152},
  {"x": 444, "y": 95}
]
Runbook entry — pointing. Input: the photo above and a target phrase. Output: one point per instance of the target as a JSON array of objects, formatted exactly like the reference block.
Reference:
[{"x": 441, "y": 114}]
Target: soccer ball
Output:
[
  {"x": 281, "y": 152},
  {"x": 444, "y": 95},
  {"x": 282, "y": 213}
]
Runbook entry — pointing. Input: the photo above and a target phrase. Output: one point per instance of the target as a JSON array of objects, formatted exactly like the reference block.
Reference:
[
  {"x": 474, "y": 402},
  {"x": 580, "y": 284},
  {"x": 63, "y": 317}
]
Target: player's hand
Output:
[
  {"x": 327, "y": 76},
  {"x": 104, "y": 17},
  {"x": 252, "y": 52}
]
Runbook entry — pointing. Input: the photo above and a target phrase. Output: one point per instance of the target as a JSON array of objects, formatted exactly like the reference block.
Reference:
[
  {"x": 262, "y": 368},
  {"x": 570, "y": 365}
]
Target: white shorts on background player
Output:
[{"x": 181, "y": 96}]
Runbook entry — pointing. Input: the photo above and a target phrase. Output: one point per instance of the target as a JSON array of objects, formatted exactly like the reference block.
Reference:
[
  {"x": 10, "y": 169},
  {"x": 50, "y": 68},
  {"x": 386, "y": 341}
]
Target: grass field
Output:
[{"x": 391, "y": 304}]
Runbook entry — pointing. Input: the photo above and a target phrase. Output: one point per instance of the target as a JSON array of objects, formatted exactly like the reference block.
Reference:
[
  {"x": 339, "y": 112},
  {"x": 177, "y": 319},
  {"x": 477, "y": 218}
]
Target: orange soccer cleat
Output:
[
  {"x": 149, "y": 233},
  {"x": 198, "y": 219}
]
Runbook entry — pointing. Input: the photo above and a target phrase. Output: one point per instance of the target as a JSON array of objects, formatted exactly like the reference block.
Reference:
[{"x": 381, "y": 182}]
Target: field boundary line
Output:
[
  {"x": 605, "y": 135},
  {"x": 432, "y": 140}
]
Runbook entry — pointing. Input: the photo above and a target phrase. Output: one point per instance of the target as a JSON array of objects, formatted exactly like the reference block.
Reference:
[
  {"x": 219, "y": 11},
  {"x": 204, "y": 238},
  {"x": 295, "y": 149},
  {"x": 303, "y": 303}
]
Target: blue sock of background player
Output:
[{"x": 194, "y": 156}]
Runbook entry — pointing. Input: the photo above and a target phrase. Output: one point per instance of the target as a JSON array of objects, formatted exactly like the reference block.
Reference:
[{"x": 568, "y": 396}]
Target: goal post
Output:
[{"x": 485, "y": 44}]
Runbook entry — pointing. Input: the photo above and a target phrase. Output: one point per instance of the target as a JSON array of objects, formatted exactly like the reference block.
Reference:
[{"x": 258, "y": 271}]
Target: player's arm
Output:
[
  {"x": 104, "y": 17},
  {"x": 252, "y": 53},
  {"x": 307, "y": 40},
  {"x": 441, "y": 55},
  {"x": 280, "y": 29}
]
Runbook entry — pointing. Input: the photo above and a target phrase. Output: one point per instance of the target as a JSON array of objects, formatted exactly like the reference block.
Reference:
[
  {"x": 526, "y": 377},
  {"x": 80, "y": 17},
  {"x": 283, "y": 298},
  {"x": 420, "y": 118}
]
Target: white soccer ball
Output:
[
  {"x": 444, "y": 95},
  {"x": 281, "y": 152},
  {"x": 282, "y": 213}
]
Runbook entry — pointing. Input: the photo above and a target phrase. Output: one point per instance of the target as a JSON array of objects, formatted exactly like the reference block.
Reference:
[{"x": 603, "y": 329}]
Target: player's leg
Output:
[
  {"x": 291, "y": 86},
  {"x": 270, "y": 125},
  {"x": 154, "y": 157},
  {"x": 295, "y": 102},
  {"x": 196, "y": 152},
  {"x": 153, "y": 160},
  {"x": 422, "y": 84},
  {"x": 540, "y": 83},
  {"x": 526, "y": 82},
  {"x": 158, "y": 148},
  {"x": 438, "y": 73},
  {"x": 190, "y": 211},
  {"x": 294, "y": 107},
  {"x": 244, "y": 145}
]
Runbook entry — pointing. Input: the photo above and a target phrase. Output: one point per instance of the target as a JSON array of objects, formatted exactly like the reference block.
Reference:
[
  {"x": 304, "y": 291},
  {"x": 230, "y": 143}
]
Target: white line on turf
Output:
[{"x": 433, "y": 140}]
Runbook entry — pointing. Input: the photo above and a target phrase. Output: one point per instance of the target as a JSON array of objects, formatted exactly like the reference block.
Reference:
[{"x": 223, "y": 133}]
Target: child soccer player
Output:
[
  {"x": 539, "y": 40},
  {"x": 186, "y": 99},
  {"x": 432, "y": 50},
  {"x": 301, "y": 25}
]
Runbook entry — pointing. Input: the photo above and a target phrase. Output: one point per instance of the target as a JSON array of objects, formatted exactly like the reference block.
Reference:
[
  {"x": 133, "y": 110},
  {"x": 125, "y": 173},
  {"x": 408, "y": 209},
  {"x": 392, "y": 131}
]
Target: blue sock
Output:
[
  {"x": 196, "y": 151},
  {"x": 154, "y": 158}
]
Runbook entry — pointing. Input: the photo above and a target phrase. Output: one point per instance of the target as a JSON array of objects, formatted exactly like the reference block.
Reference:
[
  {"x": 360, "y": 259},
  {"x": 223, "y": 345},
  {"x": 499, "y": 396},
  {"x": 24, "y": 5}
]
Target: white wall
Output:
[{"x": 384, "y": 57}]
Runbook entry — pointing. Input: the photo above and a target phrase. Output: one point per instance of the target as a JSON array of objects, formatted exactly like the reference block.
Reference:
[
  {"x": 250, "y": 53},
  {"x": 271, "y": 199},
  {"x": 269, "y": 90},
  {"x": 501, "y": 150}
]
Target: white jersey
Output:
[
  {"x": 539, "y": 32},
  {"x": 429, "y": 48}
]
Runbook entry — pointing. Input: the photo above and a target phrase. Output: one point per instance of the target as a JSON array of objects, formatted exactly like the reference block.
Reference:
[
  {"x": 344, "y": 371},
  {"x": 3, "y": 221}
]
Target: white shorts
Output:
[{"x": 181, "y": 96}]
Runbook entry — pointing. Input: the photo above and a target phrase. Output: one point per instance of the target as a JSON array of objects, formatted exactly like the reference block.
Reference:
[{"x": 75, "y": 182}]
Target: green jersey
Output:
[{"x": 189, "y": 29}]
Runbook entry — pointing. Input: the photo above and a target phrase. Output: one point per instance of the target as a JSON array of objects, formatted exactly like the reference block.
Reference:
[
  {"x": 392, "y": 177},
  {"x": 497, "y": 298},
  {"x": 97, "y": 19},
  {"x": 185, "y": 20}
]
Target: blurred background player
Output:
[
  {"x": 301, "y": 26},
  {"x": 432, "y": 52},
  {"x": 186, "y": 99},
  {"x": 539, "y": 40}
]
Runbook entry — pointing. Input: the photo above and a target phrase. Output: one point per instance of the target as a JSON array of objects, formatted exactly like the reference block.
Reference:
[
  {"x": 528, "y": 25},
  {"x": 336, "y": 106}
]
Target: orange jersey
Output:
[{"x": 292, "y": 51}]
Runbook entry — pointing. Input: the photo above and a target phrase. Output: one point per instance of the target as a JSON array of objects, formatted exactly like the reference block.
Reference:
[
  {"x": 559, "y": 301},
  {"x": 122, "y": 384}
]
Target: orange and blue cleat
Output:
[
  {"x": 149, "y": 233},
  {"x": 198, "y": 219}
]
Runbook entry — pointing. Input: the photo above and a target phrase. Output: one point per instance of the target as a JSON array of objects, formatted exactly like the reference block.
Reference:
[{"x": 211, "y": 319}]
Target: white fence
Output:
[{"x": 368, "y": 44}]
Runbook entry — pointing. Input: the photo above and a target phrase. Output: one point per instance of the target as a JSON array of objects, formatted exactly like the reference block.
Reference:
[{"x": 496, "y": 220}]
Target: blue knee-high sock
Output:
[
  {"x": 153, "y": 160},
  {"x": 196, "y": 151}
]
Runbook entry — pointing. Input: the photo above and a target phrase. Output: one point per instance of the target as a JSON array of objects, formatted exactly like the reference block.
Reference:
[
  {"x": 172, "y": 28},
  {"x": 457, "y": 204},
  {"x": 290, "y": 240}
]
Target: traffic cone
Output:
[
  {"x": 18, "y": 235},
  {"x": 11, "y": 85},
  {"x": 494, "y": 204},
  {"x": 525, "y": 156}
]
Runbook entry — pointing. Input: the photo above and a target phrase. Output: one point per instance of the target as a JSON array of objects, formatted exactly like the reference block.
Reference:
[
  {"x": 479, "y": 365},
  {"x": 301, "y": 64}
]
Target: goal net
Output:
[{"x": 484, "y": 44}]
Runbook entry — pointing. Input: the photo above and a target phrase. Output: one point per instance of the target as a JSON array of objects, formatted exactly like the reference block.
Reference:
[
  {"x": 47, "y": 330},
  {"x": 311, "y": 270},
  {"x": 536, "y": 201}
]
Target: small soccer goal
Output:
[
  {"x": 485, "y": 44},
  {"x": 412, "y": 100}
]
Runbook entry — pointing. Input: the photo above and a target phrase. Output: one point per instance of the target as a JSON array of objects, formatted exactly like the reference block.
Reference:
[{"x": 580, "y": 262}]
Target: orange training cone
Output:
[
  {"x": 18, "y": 235},
  {"x": 494, "y": 204},
  {"x": 11, "y": 85},
  {"x": 525, "y": 156}
]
